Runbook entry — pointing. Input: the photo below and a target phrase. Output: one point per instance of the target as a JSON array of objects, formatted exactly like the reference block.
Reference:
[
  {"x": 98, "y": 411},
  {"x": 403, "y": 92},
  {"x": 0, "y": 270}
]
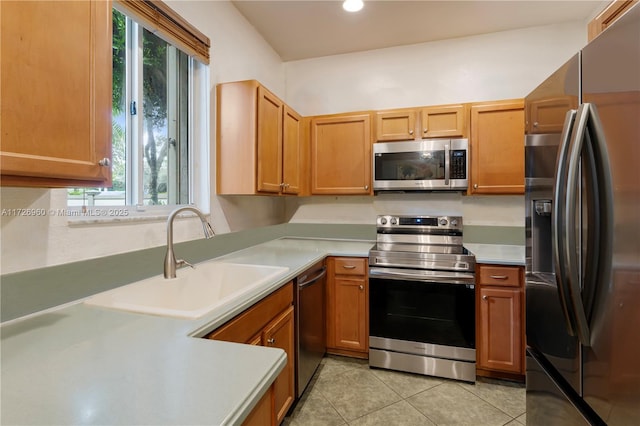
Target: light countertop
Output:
[
  {"x": 80, "y": 364},
  {"x": 87, "y": 365},
  {"x": 502, "y": 254}
]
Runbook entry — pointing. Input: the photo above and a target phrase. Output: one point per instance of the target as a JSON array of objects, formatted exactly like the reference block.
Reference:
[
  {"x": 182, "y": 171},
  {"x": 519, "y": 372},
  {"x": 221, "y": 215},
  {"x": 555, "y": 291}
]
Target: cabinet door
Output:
[
  {"x": 547, "y": 115},
  {"x": 341, "y": 155},
  {"x": 279, "y": 334},
  {"x": 55, "y": 93},
  {"x": 291, "y": 152},
  {"x": 608, "y": 16},
  {"x": 447, "y": 121},
  {"x": 350, "y": 328},
  {"x": 262, "y": 413},
  {"x": 497, "y": 148},
  {"x": 270, "y": 115},
  {"x": 500, "y": 345},
  {"x": 395, "y": 125}
]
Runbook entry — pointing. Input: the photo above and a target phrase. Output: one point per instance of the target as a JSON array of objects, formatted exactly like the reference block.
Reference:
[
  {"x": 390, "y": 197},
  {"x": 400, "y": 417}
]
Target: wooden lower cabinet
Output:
[
  {"x": 347, "y": 306},
  {"x": 280, "y": 334},
  {"x": 268, "y": 323},
  {"x": 262, "y": 413},
  {"x": 500, "y": 321}
]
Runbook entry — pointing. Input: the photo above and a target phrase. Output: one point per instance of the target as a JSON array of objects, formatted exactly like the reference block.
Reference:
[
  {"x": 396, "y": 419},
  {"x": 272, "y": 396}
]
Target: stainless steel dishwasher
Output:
[{"x": 310, "y": 323}]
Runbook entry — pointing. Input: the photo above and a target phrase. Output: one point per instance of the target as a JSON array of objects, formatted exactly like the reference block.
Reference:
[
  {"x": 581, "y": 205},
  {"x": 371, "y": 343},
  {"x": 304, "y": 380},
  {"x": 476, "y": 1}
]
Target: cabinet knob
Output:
[
  {"x": 485, "y": 297},
  {"x": 410, "y": 132},
  {"x": 475, "y": 186},
  {"x": 425, "y": 130},
  {"x": 366, "y": 187},
  {"x": 535, "y": 124},
  {"x": 105, "y": 162},
  {"x": 361, "y": 287},
  {"x": 271, "y": 341}
]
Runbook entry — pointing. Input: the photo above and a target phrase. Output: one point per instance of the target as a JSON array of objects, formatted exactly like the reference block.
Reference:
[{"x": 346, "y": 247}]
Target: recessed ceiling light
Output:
[{"x": 352, "y": 5}]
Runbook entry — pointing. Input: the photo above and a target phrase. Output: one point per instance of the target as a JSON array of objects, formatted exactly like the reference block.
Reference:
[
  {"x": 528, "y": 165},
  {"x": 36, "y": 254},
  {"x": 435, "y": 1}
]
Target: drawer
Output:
[
  {"x": 350, "y": 266},
  {"x": 508, "y": 276}
]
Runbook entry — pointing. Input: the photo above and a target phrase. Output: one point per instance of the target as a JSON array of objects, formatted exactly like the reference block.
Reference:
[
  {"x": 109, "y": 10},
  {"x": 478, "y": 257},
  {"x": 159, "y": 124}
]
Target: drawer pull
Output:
[
  {"x": 499, "y": 277},
  {"x": 349, "y": 266}
]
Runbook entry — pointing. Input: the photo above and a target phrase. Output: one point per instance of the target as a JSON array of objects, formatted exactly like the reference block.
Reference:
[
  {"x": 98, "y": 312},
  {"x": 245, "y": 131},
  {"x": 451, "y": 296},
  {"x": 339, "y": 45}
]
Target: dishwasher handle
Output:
[{"x": 310, "y": 281}]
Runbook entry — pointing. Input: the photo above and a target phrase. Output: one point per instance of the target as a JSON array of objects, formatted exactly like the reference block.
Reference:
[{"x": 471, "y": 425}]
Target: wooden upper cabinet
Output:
[
  {"x": 442, "y": 121},
  {"x": 270, "y": 119},
  {"x": 291, "y": 152},
  {"x": 55, "y": 93},
  {"x": 341, "y": 154},
  {"x": 397, "y": 125},
  {"x": 446, "y": 121},
  {"x": 547, "y": 115},
  {"x": 608, "y": 16},
  {"x": 497, "y": 147},
  {"x": 258, "y": 141}
]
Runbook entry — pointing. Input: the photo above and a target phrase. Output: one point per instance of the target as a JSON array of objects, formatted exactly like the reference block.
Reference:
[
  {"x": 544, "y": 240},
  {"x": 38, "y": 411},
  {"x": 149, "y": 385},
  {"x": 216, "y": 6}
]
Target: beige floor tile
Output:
[
  {"x": 400, "y": 413},
  {"x": 406, "y": 384},
  {"x": 506, "y": 396},
  {"x": 355, "y": 392},
  {"x": 451, "y": 404},
  {"x": 314, "y": 409},
  {"x": 333, "y": 364},
  {"x": 522, "y": 419}
]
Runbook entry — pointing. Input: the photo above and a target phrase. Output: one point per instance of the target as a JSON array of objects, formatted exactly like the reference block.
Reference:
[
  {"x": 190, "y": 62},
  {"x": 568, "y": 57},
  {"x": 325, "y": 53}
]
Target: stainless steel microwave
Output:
[{"x": 421, "y": 165}]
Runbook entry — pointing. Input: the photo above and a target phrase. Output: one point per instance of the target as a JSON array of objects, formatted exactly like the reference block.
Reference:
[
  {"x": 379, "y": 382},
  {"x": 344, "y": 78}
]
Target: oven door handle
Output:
[{"x": 422, "y": 275}]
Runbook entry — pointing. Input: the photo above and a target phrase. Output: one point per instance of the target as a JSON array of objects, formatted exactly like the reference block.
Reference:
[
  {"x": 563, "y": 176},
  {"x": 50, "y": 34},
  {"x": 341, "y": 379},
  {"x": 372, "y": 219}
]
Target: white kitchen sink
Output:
[{"x": 194, "y": 292}]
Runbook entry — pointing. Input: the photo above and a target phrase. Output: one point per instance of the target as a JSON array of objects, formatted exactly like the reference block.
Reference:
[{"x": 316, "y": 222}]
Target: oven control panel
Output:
[{"x": 388, "y": 222}]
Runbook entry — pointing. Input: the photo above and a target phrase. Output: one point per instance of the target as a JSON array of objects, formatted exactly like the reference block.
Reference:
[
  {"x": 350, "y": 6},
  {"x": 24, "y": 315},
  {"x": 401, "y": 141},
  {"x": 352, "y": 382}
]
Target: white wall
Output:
[
  {"x": 501, "y": 65},
  {"x": 487, "y": 67},
  {"x": 238, "y": 52}
]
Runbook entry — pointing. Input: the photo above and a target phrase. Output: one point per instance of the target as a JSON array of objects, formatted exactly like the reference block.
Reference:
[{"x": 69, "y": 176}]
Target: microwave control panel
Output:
[{"x": 458, "y": 164}]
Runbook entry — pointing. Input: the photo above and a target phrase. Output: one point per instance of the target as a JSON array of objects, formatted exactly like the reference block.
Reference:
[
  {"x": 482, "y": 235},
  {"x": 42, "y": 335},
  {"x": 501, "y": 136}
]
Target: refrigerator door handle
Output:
[
  {"x": 558, "y": 222},
  {"x": 599, "y": 242},
  {"x": 574, "y": 285}
]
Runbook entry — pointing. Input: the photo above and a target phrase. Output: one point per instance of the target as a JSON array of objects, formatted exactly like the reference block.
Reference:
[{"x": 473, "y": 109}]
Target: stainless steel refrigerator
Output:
[{"x": 582, "y": 168}]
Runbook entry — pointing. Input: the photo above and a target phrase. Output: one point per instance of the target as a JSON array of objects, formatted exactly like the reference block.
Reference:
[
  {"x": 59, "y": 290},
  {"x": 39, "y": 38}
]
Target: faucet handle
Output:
[{"x": 181, "y": 263}]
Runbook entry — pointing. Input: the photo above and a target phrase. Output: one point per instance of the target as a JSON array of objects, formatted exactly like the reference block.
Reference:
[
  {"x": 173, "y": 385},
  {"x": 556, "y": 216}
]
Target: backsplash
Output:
[{"x": 501, "y": 211}]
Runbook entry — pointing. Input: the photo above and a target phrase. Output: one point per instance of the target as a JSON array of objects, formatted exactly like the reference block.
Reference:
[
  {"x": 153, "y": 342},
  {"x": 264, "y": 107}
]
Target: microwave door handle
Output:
[{"x": 447, "y": 164}]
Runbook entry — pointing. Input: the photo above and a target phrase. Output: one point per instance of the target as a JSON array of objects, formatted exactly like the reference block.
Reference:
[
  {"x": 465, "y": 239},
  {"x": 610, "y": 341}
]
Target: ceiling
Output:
[{"x": 307, "y": 29}]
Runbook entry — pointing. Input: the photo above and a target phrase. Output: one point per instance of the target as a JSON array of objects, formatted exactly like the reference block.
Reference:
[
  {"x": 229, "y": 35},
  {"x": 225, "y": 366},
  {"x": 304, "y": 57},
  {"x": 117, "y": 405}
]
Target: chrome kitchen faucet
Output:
[{"x": 170, "y": 261}]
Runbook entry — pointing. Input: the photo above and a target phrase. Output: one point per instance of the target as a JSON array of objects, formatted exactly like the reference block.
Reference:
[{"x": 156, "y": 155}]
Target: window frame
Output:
[{"x": 197, "y": 130}]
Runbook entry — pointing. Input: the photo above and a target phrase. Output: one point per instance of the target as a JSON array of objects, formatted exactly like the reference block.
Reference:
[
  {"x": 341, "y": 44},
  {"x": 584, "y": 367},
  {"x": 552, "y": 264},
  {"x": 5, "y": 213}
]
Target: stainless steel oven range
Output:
[{"x": 422, "y": 297}]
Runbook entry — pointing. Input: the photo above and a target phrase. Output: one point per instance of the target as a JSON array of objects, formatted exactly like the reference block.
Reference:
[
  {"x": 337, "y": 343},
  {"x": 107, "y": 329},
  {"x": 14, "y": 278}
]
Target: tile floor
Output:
[{"x": 345, "y": 391}]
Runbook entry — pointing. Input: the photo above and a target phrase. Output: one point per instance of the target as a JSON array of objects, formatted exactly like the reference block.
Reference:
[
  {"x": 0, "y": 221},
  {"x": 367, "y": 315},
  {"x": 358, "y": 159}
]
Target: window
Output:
[{"x": 159, "y": 122}]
